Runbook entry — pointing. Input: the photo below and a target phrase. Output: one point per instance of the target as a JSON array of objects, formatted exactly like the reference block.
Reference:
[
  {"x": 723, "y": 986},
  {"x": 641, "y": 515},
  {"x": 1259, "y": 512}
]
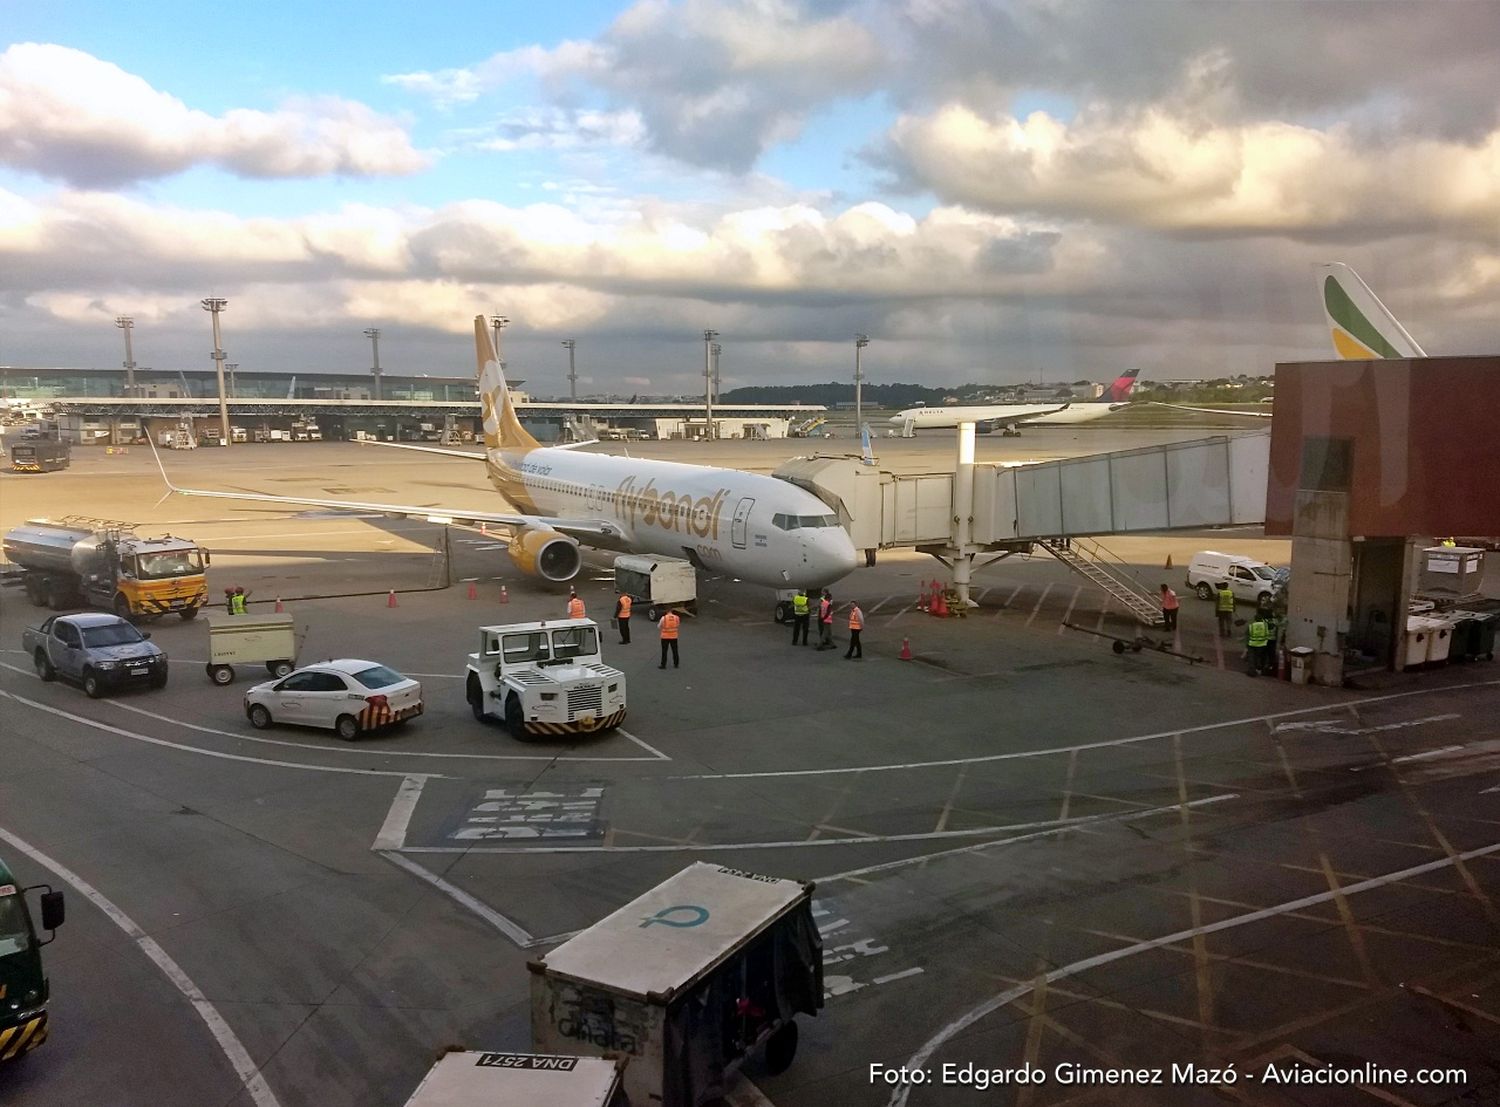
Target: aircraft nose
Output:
[{"x": 838, "y": 554}]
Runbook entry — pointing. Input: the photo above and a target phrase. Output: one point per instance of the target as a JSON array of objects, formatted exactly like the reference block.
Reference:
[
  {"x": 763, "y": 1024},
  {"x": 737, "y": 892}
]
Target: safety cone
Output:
[
  {"x": 280, "y": 607},
  {"x": 473, "y": 592},
  {"x": 940, "y": 606},
  {"x": 483, "y": 530},
  {"x": 504, "y": 595},
  {"x": 390, "y": 600},
  {"x": 1168, "y": 565},
  {"x": 906, "y": 649}
]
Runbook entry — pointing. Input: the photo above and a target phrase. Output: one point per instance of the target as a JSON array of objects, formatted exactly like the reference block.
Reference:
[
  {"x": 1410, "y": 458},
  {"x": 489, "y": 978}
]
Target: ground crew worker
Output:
[
  {"x": 622, "y": 618},
  {"x": 1257, "y": 639},
  {"x": 1451, "y": 543},
  {"x": 825, "y": 621},
  {"x": 856, "y": 624},
  {"x": 229, "y": 600},
  {"x": 800, "y": 612},
  {"x": 575, "y": 606},
  {"x": 1225, "y": 610},
  {"x": 1169, "y": 606},
  {"x": 669, "y": 623},
  {"x": 237, "y": 603}
]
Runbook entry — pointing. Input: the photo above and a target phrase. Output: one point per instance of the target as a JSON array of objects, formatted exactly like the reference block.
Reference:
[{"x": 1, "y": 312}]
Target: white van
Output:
[{"x": 1250, "y": 580}]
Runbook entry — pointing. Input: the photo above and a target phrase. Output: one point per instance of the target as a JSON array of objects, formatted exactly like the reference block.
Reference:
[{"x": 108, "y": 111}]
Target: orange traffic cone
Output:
[
  {"x": 1168, "y": 565},
  {"x": 280, "y": 607},
  {"x": 390, "y": 600},
  {"x": 473, "y": 592},
  {"x": 906, "y": 649},
  {"x": 504, "y": 595},
  {"x": 939, "y": 605}
]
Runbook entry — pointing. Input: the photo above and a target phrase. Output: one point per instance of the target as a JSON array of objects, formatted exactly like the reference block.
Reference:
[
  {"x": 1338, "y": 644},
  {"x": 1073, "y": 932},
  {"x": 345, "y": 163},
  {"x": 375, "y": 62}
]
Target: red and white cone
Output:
[
  {"x": 504, "y": 595},
  {"x": 906, "y": 649},
  {"x": 473, "y": 592},
  {"x": 279, "y": 606},
  {"x": 390, "y": 600}
]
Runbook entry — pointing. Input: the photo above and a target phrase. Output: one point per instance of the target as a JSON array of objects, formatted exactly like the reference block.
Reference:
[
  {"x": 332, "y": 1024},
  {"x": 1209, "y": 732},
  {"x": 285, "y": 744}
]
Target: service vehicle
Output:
[
  {"x": 348, "y": 696},
  {"x": 100, "y": 652},
  {"x": 661, "y": 584},
  {"x": 472, "y": 1078},
  {"x": 233, "y": 640},
  {"x": 686, "y": 981},
  {"x": 544, "y": 679},
  {"x": 77, "y": 561},
  {"x": 24, "y": 989},
  {"x": 1251, "y": 581},
  {"x": 40, "y": 455}
]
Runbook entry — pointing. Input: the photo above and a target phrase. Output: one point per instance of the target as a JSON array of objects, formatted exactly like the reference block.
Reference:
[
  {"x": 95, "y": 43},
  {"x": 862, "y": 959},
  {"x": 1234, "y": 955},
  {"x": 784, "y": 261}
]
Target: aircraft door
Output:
[{"x": 740, "y": 525}]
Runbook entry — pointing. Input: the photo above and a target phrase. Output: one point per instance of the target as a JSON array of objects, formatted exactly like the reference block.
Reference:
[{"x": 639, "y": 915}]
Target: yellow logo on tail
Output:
[{"x": 502, "y": 429}]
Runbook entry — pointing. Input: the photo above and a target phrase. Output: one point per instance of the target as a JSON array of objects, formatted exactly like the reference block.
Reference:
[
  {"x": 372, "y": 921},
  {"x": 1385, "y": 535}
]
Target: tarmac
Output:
[{"x": 1032, "y": 854}]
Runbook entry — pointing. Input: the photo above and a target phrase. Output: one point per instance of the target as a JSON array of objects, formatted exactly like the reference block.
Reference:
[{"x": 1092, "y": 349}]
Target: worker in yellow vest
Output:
[
  {"x": 575, "y": 606},
  {"x": 1257, "y": 643},
  {"x": 238, "y": 602},
  {"x": 669, "y": 624},
  {"x": 801, "y": 612},
  {"x": 855, "y": 652},
  {"x": 622, "y": 618},
  {"x": 1225, "y": 609}
]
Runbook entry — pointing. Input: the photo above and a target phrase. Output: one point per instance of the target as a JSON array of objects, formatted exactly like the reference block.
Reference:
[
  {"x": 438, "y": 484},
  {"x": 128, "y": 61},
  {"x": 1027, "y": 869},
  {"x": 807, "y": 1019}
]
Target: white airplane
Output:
[
  {"x": 1014, "y": 415},
  {"x": 1362, "y": 328},
  {"x": 755, "y": 527}
]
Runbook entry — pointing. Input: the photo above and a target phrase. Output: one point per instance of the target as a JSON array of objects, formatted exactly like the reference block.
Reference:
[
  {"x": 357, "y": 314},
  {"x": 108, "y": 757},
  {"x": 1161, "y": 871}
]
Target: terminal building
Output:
[{"x": 96, "y": 407}]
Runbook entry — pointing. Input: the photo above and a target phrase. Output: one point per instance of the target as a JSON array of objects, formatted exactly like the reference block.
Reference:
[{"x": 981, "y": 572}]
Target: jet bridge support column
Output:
[{"x": 963, "y": 514}]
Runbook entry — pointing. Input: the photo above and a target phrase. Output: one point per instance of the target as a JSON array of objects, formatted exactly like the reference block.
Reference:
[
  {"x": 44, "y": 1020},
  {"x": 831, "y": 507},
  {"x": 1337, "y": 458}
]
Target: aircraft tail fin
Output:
[
  {"x": 1361, "y": 326},
  {"x": 1119, "y": 391},
  {"x": 502, "y": 428}
]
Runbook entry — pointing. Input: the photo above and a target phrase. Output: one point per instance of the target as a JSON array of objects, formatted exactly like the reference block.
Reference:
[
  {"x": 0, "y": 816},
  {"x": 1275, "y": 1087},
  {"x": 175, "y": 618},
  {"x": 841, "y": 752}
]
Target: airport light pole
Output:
[
  {"x": 127, "y": 324},
  {"x": 214, "y": 305},
  {"x": 708, "y": 383},
  {"x": 569, "y": 344},
  {"x": 860, "y": 342},
  {"x": 373, "y": 334},
  {"x": 232, "y": 366},
  {"x": 499, "y": 323},
  {"x": 718, "y": 349}
]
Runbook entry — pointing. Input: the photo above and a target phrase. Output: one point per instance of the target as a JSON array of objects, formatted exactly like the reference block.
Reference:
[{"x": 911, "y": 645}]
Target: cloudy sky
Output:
[{"x": 993, "y": 191}]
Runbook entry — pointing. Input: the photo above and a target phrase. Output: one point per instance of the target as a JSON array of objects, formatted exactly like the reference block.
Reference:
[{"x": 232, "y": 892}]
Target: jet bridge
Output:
[{"x": 989, "y": 511}]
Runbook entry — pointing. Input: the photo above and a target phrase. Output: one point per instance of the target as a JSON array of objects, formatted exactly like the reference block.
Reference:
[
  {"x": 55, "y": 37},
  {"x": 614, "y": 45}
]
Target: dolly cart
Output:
[
  {"x": 249, "y": 639},
  {"x": 685, "y": 981},
  {"x": 464, "y": 1078}
]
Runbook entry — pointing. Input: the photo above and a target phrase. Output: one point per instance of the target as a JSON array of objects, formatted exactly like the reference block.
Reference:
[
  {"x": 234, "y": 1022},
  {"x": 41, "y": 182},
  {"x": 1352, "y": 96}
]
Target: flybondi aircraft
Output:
[
  {"x": 1011, "y": 416},
  {"x": 758, "y": 528}
]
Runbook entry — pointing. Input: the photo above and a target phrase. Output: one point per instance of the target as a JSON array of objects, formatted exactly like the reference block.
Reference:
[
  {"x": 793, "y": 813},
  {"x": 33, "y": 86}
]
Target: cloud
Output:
[
  {"x": 68, "y": 115},
  {"x": 551, "y": 128},
  {"x": 1154, "y": 169}
]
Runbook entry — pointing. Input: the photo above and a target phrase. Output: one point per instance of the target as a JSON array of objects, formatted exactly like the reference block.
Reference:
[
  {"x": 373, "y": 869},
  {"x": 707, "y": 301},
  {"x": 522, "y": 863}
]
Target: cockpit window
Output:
[{"x": 798, "y": 522}]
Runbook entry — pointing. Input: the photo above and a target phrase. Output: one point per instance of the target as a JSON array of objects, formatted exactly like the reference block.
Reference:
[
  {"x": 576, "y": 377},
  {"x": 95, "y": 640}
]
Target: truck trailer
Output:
[
  {"x": 77, "y": 562},
  {"x": 40, "y": 455}
]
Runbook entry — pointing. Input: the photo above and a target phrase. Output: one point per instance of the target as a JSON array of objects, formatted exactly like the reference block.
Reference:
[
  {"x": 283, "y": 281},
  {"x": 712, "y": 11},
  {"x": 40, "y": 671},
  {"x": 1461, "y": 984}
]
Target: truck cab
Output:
[
  {"x": 23, "y": 983},
  {"x": 545, "y": 678}
]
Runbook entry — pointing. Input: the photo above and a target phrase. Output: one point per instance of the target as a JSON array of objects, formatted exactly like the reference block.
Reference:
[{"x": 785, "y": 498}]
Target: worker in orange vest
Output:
[
  {"x": 856, "y": 624},
  {"x": 1169, "y": 607},
  {"x": 669, "y": 623},
  {"x": 575, "y": 606},
  {"x": 622, "y": 618}
]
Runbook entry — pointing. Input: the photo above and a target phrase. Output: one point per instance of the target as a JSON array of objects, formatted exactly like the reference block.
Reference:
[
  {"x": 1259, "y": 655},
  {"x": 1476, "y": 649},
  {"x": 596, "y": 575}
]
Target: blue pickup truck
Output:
[{"x": 100, "y": 652}]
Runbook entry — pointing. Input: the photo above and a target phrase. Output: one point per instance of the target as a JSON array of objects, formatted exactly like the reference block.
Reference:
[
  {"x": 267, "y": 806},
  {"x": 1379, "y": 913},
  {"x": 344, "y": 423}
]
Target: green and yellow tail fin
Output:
[{"x": 1361, "y": 326}]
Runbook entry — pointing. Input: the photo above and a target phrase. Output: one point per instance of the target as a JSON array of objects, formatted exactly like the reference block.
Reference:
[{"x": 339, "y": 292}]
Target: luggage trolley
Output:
[
  {"x": 465, "y": 1078},
  {"x": 685, "y": 982},
  {"x": 249, "y": 639}
]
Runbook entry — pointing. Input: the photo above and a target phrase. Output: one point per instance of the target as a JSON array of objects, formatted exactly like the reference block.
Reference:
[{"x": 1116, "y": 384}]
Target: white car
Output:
[{"x": 349, "y": 696}]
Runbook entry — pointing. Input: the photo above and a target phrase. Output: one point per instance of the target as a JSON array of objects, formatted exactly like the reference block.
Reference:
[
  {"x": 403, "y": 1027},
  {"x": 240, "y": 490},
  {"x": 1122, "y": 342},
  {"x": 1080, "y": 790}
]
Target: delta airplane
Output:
[
  {"x": 755, "y": 527},
  {"x": 1014, "y": 415},
  {"x": 1362, "y": 328}
]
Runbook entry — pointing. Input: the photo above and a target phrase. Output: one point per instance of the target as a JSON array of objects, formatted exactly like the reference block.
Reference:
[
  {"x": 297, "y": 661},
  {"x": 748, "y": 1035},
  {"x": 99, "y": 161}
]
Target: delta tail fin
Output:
[
  {"x": 1119, "y": 391},
  {"x": 502, "y": 428},
  {"x": 1360, "y": 325}
]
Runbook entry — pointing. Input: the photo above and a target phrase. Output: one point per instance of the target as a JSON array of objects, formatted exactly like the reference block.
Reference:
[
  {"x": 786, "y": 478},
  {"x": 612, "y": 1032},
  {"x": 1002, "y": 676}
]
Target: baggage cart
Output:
[
  {"x": 661, "y": 583},
  {"x": 685, "y": 981},
  {"x": 470, "y": 1078},
  {"x": 250, "y": 639}
]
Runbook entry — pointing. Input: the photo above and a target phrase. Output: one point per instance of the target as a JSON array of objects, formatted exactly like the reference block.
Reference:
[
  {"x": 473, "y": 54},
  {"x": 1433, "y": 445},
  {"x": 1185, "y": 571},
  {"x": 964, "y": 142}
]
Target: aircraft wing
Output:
[
  {"x": 1216, "y": 410},
  {"x": 467, "y": 454},
  {"x": 582, "y": 530}
]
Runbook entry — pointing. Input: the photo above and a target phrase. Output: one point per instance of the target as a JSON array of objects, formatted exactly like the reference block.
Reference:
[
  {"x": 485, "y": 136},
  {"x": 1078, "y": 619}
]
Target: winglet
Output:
[
  {"x": 502, "y": 429},
  {"x": 1362, "y": 328},
  {"x": 162, "y": 468}
]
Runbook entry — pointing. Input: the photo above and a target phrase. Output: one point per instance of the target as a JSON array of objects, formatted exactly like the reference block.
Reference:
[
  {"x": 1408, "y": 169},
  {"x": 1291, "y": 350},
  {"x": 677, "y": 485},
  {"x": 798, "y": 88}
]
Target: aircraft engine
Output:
[{"x": 545, "y": 554}]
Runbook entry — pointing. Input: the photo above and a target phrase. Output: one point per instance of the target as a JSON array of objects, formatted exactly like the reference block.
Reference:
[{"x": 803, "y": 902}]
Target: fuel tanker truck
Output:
[{"x": 77, "y": 562}]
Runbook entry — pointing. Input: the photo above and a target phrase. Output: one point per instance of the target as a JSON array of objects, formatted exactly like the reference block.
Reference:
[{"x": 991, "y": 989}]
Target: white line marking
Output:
[
  {"x": 1068, "y": 614},
  {"x": 357, "y": 751},
  {"x": 1425, "y": 754},
  {"x": 1333, "y": 726},
  {"x": 123, "y": 733},
  {"x": 900, "y": 613},
  {"x": 234, "y": 1050},
  {"x": 1052, "y": 825},
  {"x": 896, "y": 976},
  {"x": 393, "y": 831},
  {"x": 1081, "y": 823},
  {"x": 623, "y": 733},
  {"x": 879, "y": 605},
  {"x": 957, "y": 1026},
  {"x": 1487, "y": 791},
  {"x": 483, "y": 910},
  {"x": 1085, "y": 746},
  {"x": 1039, "y": 600}
]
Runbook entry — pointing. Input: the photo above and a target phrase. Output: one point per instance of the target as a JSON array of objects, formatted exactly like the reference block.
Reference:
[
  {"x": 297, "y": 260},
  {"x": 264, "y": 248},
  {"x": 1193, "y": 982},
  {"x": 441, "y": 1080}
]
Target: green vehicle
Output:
[{"x": 23, "y": 985}]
